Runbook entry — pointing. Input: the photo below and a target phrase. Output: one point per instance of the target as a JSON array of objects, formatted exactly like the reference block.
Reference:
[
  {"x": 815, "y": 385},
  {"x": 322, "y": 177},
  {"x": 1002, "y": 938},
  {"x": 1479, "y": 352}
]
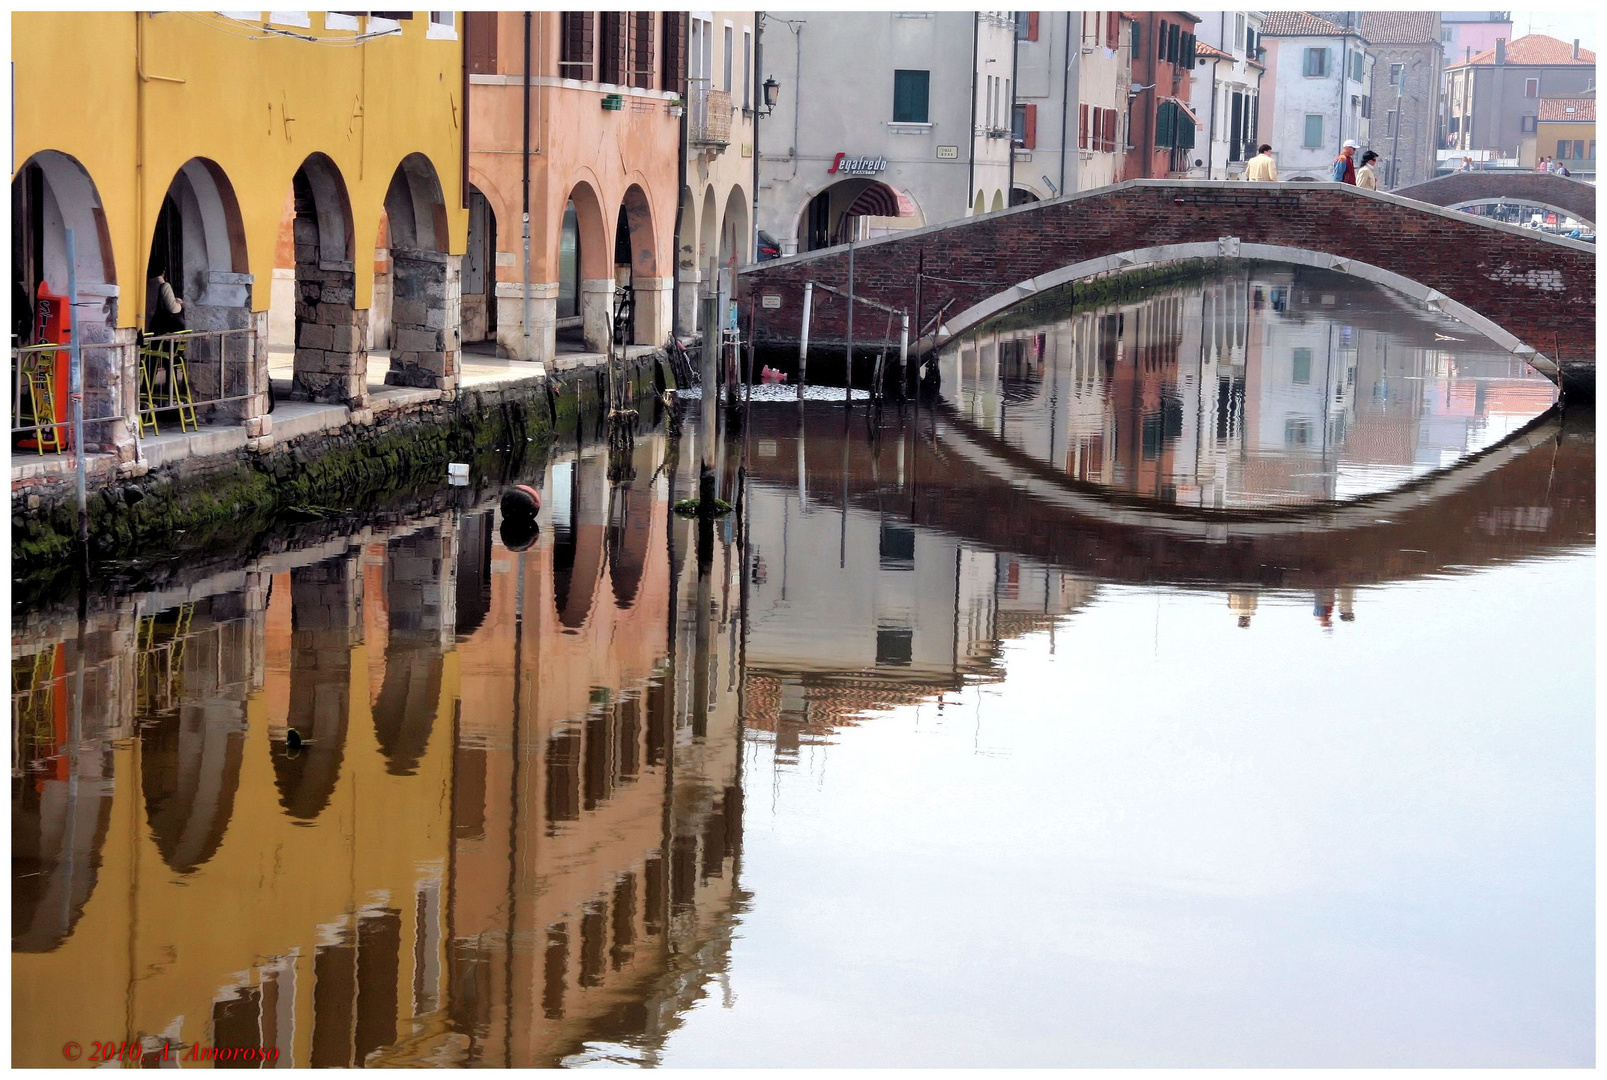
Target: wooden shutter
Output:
[
  {"x": 1029, "y": 127},
  {"x": 1082, "y": 126},
  {"x": 576, "y": 42},
  {"x": 1032, "y": 26},
  {"x": 1110, "y": 130},
  {"x": 1161, "y": 39},
  {"x": 672, "y": 71},
  {"x": 642, "y": 48},
  {"x": 481, "y": 27},
  {"x": 612, "y": 62},
  {"x": 1113, "y": 32}
]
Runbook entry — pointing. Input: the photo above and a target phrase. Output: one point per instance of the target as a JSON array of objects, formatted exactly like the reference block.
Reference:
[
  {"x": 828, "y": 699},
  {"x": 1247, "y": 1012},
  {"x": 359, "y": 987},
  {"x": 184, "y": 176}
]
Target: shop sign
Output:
[{"x": 843, "y": 165}]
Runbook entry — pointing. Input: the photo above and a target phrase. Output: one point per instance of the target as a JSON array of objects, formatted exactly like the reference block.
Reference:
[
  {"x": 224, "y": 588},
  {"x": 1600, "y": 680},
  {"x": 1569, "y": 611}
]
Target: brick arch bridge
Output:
[
  {"x": 1556, "y": 193},
  {"x": 1531, "y": 293}
]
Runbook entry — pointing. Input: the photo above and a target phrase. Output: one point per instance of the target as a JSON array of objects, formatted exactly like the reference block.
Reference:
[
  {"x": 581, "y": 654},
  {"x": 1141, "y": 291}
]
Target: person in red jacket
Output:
[{"x": 1345, "y": 164}]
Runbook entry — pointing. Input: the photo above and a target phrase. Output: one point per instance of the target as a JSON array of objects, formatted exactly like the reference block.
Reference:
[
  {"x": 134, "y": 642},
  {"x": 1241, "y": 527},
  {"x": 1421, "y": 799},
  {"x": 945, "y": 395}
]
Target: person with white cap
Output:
[{"x": 1345, "y": 164}]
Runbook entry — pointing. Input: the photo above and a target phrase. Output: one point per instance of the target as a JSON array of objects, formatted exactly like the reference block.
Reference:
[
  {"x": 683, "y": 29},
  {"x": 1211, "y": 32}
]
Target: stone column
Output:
[
  {"x": 331, "y": 335},
  {"x": 597, "y": 309},
  {"x": 653, "y": 299},
  {"x": 426, "y": 319},
  {"x": 543, "y": 320},
  {"x": 219, "y": 301},
  {"x": 687, "y": 299},
  {"x": 258, "y": 424}
]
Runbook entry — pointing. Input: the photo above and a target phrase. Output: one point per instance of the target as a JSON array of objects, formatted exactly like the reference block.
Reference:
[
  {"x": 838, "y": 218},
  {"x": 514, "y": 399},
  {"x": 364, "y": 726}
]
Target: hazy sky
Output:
[{"x": 1565, "y": 24}]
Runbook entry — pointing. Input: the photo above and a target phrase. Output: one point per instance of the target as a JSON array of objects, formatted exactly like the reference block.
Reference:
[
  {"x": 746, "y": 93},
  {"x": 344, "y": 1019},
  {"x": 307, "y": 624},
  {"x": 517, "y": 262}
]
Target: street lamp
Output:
[{"x": 772, "y": 92}]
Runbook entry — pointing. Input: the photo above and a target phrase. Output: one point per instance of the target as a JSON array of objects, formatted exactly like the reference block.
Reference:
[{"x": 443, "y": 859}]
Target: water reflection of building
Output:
[
  {"x": 507, "y": 831},
  {"x": 1248, "y": 387}
]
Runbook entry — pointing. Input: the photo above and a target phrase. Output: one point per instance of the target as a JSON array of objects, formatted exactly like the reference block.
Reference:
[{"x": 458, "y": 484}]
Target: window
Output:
[
  {"x": 1526, "y": 123},
  {"x": 1395, "y": 73},
  {"x": 910, "y": 95},
  {"x": 1127, "y": 124},
  {"x": 1446, "y": 33},
  {"x": 339, "y": 20},
  {"x": 1389, "y": 122},
  {"x": 1356, "y": 61},
  {"x": 1137, "y": 39},
  {"x": 1316, "y": 63},
  {"x": 1297, "y": 432},
  {"x": 641, "y": 59},
  {"x": 1024, "y": 130},
  {"x": 1302, "y": 366},
  {"x": 672, "y": 65},
  {"x": 575, "y": 41},
  {"x": 1113, "y": 30},
  {"x": 1531, "y": 88},
  {"x": 1161, "y": 55},
  {"x": 1565, "y": 150},
  {"x": 1249, "y": 43},
  {"x": 1026, "y": 26},
  {"x": 289, "y": 18},
  {"x": 481, "y": 28},
  {"x": 443, "y": 26},
  {"x": 1236, "y": 127},
  {"x": 1366, "y": 107},
  {"x": 1238, "y": 28},
  {"x": 729, "y": 54},
  {"x": 747, "y": 67},
  {"x": 1453, "y": 127},
  {"x": 1313, "y": 130},
  {"x": 611, "y": 54},
  {"x": 1173, "y": 36}
]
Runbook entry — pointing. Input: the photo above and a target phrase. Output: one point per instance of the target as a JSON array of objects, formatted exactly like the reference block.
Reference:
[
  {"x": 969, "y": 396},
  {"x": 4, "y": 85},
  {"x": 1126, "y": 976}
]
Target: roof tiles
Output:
[{"x": 1535, "y": 49}]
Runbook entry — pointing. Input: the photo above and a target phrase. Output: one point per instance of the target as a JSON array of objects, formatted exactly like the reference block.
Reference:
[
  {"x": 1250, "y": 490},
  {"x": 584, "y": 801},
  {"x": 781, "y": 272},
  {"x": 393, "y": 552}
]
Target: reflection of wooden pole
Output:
[
  {"x": 711, "y": 389},
  {"x": 848, "y": 369},
  {"x": 903, "y": 354},
  {"x": 803, "y": 338}
]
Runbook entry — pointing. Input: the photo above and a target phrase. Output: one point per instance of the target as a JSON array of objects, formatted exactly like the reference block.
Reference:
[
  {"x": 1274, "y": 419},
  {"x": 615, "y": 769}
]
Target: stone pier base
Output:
[{"x": 426, "y": 319}]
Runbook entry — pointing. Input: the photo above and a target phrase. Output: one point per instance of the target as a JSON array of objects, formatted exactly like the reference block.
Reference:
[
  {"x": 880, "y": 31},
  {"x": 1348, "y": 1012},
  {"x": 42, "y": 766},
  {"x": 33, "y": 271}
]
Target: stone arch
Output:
[
  {"x": 630, "y": 527},
  {"x": 735, "y": 236},
  {"x": 1170, "y": 253},
  {"x": 587, "y": 271},
  {"x": 998, "y": 200},
  {"x": 199, "y": 243},
  {"x": 831, "y": 215},
  {"x": 479, "y": 279},
  {"x": 1022, "y": 194},
  {"x": 709, "y": 229},
  {"x": 1560, "y": 211},
  {"x": 426, "y": 311},
  {"x": 637, "y": 237},
  {"x": 51, "y": 193},
  {"x": 578, "y": 523},
  {"x": 978, "y": 203},
  {"x": 1565, "y": 194},
  {"x": 331, "y": 342}
]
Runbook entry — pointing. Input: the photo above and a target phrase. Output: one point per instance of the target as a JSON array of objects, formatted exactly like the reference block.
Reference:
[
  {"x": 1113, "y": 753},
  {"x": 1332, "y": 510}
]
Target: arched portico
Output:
[
  {"x": 650, "y": 286},
  {"x": 331, "y": 361},
  {"x": 582, "y": 264},
  {"x": 426, "y": 287},
  {"x": 686, "y": 235}
]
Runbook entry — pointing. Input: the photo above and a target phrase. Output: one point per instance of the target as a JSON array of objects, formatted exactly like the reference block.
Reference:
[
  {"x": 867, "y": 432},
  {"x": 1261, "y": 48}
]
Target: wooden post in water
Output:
[
  {"x": 711, "y": 389},
  {"x": 803, "y": 338},
  {"x": 848, "y": 360},
  {"x": 903, "y": 355}
]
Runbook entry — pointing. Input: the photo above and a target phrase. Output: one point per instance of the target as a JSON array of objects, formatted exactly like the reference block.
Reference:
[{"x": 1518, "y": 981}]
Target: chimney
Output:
[
  {"x": 1576, "y": 48},
  {"x": 1500, "y": 50}
]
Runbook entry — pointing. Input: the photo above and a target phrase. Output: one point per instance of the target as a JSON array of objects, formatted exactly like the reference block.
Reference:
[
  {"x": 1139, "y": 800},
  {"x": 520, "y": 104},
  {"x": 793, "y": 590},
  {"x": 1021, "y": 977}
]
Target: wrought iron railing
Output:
[{"x": 190, "y": 370}]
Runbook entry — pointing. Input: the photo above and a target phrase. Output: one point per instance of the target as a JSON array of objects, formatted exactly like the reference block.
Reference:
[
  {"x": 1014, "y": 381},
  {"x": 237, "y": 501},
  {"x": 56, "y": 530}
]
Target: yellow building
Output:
[
  {"x": 1566, "y": 133},
  {"x": 173, "y": 142}
]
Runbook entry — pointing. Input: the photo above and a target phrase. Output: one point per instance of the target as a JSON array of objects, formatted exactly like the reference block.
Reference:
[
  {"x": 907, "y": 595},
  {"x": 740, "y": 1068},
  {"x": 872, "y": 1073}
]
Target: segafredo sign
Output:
[{"x": 843, "y": 165}]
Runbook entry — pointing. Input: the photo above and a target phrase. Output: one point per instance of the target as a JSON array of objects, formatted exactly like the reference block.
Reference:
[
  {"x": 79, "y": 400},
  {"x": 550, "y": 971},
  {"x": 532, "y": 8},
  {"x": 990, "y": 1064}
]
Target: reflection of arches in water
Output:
[
  {"x": 58, "y": 829},
  {"x": 474, "y": 573},
  {"x": 355, "y": 991},
  {"x": 189, "y": 771},
  {"x": 410, "y": 696},
  {"x": 630, "y": 522},
  {"x": 578, "y": 541},
  {"x": 324, "y": 615}
]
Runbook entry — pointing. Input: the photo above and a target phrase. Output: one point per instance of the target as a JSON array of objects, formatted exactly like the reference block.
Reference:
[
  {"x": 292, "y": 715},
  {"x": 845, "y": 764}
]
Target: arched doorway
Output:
[
  {"x": 425, "y": 308},
  {"x": 978, "y": 203},
  {"x": 636, "y": 264},
  {"x": 735, "y": 236},
  {"x": 480, "y": 271},
  {"x": 1020, "y": 196},
  {"x": 50, "y": 194},
  {"x": 686, "y": 234},
  {"x": 198, "y": 248},
  {"x": 582, "y": 259},
  {"x": 331, "y": 333},
  {"x": 841, "y": 213}
]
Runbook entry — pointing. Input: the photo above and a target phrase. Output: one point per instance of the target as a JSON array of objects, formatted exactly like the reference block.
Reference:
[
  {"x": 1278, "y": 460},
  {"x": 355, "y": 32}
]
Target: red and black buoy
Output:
[{"x": 521, "y": 501}]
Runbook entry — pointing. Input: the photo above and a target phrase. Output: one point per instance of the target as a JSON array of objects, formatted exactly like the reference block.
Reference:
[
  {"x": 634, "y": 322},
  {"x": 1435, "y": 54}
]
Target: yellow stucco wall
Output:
[
  {"x": 1550, "y": 133},
  {"x": 254, "y": 103}
]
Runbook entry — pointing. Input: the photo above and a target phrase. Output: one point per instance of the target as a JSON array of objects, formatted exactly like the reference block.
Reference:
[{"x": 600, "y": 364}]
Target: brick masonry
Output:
[{"x": 1540, "y": 290}]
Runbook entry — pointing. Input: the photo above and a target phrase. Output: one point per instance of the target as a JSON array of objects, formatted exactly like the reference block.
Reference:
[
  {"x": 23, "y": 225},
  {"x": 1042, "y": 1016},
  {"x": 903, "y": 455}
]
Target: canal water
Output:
[{"x": 1205, "y": 679}]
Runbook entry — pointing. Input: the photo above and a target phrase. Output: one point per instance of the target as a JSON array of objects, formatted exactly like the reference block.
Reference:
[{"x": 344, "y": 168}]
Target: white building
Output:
[
  {"x": 1227, "y": 88},
  {"x": 1319, "y": 93},
  {"x": 885, "y": 121},
  {"x": 1071, "y": 102}
]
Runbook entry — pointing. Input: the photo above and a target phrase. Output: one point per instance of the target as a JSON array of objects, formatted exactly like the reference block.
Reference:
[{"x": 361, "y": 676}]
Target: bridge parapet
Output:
[{"x": 1533, "y": 293}]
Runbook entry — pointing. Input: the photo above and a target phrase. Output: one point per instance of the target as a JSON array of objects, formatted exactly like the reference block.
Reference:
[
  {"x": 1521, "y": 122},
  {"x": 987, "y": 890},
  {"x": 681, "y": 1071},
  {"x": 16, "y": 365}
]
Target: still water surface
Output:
[{"x": 983, "y": 738}]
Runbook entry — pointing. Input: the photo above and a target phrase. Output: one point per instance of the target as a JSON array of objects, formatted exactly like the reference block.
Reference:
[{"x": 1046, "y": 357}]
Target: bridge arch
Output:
[
  {"x": 1513, "y": 200},
  {"x": 1140, "y": 258},
  {"x": 1561, "y": 193}
]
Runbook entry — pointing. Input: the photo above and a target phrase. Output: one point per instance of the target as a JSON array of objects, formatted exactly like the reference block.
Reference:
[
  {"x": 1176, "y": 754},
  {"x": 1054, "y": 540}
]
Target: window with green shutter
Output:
[
  {"x": 911, "y": 93},
  {"x": 1316, "y": 63},
  {"x": 1137, "y": 39},
  {"x": 1356, "y": 60},
  {"x": 1313, "y": 129}
]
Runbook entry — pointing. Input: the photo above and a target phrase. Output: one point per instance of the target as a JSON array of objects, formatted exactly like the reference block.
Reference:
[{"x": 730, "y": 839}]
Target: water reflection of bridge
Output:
[{"x": 510, "y": 832}]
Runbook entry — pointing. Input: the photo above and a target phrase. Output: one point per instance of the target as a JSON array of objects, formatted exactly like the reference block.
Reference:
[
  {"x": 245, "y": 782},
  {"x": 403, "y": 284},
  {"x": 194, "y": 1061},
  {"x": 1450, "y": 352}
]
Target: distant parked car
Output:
[{"x": 768, "y": 248}]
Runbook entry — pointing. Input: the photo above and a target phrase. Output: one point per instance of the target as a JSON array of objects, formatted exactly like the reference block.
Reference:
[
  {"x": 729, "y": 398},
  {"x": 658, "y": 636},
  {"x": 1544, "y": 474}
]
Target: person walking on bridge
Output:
[
  {"x": 1367, "y": 175},
  {"x": 1262, "y": 167},
  {"x": 1345, "y": 164}
]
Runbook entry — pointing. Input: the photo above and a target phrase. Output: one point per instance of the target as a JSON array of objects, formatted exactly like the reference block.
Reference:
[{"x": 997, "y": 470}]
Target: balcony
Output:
[{"x": 708, "y": 122}]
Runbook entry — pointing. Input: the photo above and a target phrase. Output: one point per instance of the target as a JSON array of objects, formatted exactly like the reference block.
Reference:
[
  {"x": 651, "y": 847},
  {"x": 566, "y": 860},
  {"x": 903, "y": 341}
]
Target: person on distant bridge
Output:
[
  {"x": 1262, "y": 167},
  {"x": 1367, "y": 175},
  {"x": 1560, "y": 169},
  {"x": 1345, "y": 164}
]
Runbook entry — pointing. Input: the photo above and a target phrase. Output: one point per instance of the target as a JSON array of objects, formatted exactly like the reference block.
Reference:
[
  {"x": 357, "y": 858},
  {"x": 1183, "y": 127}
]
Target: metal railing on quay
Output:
[
  {"x": 179, "y": 373},
  {"x": 41, "y": 413}
]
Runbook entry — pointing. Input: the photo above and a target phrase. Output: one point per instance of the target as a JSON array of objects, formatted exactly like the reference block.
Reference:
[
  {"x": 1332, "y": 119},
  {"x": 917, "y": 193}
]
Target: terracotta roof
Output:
[
  {"x": 1299, "y": 24},
  {"x": 1210, "y": 51},
  {"x": 1534, "y": 49},
  {"x": 1400, "y": 28},
  {"x": 1574, "y": 110}
]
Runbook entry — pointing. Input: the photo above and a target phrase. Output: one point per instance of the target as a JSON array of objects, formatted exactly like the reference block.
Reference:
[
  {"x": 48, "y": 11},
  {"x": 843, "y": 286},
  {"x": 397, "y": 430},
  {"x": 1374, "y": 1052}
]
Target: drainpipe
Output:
[
  {"x": 680, "y": 203},
  {"x": 465, "y": 152},
  {"x": 1210, "y": 146},
  {"x": 1065, "y": 105},
  {"x": 758, "y": 100},
  {"x": 970, "y": 125},
  {"x": 1344, "y": 64},
  {"x": 525, "y": 158},
  {"x": 1015, "y": 58}
]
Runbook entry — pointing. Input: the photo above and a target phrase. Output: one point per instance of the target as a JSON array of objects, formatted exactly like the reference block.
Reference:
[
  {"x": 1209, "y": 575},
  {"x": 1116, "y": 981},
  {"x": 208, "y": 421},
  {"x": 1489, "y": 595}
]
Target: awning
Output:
[
  {"x": 1188, "y": 110},
  {"x": 879, "y": 200}
]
